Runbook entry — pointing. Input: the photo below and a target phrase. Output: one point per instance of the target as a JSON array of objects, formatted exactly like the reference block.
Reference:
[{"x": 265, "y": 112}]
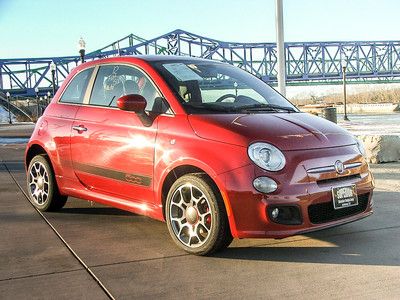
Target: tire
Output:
[
  {"x": 42, "y": 186},
  {"x": 196, "y": 215}
]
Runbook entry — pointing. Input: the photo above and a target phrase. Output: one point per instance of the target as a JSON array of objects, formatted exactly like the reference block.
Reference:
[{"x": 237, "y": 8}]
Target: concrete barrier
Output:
[
  {"x": 360, "y": 108},
  {"x": 381, "y": 148}
]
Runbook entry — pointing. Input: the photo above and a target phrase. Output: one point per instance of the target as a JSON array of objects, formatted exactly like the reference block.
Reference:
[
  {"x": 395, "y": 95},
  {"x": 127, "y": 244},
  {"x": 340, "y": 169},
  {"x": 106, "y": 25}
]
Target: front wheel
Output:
[
  {"x": 42, "y": 186},
  {"x": 196, "y": 216}
]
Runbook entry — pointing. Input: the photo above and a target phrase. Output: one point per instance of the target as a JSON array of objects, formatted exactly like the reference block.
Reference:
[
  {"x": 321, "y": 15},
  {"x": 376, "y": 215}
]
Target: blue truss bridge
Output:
[{"x": 306, "y": 62}]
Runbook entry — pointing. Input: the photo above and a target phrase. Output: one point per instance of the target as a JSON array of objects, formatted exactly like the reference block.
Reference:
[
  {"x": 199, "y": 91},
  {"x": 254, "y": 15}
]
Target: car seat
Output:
[
  {"x": 131, "y": 87},
  {"x": 190, "y": 91}
]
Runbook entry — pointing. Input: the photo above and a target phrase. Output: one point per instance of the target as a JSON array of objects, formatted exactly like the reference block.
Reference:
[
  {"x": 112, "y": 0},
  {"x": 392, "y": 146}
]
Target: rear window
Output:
[{"x": 76, "y": 89}]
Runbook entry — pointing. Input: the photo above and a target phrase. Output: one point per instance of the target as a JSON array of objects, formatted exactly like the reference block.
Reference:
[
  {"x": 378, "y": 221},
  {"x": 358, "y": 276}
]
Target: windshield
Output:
[{"x": 211, "y": 87}]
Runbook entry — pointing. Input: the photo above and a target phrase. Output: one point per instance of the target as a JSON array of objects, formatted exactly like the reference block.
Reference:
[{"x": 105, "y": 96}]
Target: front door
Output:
[{"x": 112, "y": 151}]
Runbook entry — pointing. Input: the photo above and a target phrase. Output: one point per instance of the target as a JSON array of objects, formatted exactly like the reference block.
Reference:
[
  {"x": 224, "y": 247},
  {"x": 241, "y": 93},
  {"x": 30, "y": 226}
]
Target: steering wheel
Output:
[{"x": 226, "y": 96}]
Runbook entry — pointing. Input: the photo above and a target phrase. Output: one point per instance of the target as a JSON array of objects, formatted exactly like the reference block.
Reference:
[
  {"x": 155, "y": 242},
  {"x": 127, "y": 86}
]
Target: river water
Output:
[{"x": 4, "y": 117}]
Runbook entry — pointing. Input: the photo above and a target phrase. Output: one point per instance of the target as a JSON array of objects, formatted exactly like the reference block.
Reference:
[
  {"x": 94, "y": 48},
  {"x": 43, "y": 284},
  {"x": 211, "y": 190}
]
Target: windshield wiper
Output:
[
  {"x": 236, "y": 109},
  {"x": 266, "y": 107},
  {"x": 211, "y": 107}
]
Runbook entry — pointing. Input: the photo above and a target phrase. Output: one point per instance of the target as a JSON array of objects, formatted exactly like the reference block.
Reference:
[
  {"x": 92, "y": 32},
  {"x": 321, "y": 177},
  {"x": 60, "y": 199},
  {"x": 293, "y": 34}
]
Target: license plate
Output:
[{"x": 344, "y": 196}]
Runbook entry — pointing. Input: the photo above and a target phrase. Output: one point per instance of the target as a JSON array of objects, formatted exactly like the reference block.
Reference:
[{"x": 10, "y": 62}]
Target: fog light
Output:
[
  {"x": 265, "y": 185},
  {"x": 285, "y": 214},
  {"x": 275, "y": 213}
]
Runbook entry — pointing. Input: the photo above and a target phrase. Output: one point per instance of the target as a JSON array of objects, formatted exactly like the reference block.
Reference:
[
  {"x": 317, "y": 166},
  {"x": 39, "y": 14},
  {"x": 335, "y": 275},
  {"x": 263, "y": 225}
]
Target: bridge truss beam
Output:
[{"x": 308, "y": 62}]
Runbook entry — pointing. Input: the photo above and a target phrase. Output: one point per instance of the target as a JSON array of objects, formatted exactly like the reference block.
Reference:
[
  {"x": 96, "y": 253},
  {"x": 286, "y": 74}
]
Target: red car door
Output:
[{"x": 112, "y": 151}]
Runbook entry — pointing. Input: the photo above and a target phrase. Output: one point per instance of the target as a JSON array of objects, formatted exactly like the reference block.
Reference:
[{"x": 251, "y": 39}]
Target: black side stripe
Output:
[{"x": 113, "y": 174}]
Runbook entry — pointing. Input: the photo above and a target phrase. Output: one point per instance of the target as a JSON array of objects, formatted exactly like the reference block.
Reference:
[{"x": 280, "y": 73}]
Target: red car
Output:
[{"x": 205, "y": 146}]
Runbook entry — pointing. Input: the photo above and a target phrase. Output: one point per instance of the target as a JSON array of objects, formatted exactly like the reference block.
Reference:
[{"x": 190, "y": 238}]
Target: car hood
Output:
[{"x": 287, "y": 131}]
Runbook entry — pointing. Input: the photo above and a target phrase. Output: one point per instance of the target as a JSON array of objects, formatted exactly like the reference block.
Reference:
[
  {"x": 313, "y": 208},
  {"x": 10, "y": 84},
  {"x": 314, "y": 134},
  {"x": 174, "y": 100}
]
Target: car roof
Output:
[{"x": 166, "y": 58}]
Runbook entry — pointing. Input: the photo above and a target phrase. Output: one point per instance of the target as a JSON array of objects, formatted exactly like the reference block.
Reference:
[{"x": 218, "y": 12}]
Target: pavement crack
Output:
[{"x": 39, "y": 275}]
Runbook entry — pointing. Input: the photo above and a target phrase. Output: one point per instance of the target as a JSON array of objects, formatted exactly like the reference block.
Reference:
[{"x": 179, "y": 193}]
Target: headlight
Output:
[
  {"x": 266, "y": 156},
  {"x": 360, "y": 146}
]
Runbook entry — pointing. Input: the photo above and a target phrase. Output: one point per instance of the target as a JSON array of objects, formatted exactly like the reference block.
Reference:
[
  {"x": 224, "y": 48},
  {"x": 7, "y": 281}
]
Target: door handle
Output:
[{"x": 79, "y": 128}]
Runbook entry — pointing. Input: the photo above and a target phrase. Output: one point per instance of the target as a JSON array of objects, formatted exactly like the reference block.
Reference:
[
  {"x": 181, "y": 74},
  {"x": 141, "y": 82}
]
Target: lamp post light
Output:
[
  {"x": 37, "y": 102},
  {"x": 53, "y": 68},
  {"x": 344, "y": 66},
  {"x": 8, "y": 107},
  {"x": 82, "y": 48}
]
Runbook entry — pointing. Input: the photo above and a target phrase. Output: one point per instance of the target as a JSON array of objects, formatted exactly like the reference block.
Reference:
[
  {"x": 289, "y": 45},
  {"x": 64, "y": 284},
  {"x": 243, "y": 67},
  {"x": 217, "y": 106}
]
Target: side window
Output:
[
  {"x": 114, "y": 81},
  {"x": 108, "y": 86},
  {"x": 149, "y": 92},
  {"x": 77, "y": 87}
]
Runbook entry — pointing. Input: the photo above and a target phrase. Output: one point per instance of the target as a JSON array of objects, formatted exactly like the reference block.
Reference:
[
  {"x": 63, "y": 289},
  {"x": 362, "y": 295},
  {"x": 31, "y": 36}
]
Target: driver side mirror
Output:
[
  {"x": 132, "y": 102},
  {"x": 137, "y": 104}
]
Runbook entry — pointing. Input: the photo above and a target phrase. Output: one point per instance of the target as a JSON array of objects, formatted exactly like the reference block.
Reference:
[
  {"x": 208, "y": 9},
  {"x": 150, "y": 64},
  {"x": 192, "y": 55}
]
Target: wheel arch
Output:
[
  {"x": 32, "y": 151},
  {"x": 181, "y": 170}
]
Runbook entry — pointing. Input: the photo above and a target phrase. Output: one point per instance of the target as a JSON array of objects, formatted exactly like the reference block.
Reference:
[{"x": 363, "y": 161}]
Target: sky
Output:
[{"x": 40, "y": 28}]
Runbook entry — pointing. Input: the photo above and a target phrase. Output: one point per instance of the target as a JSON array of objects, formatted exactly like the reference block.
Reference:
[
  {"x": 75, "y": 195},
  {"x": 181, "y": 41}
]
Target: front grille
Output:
[
  {"x": 338, "y": 179},
  {"x": 325, "y": 212}
]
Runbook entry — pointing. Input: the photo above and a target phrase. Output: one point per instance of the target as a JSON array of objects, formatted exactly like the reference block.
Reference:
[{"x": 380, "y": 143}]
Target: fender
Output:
[
  {"x": 219, "y": 180},
  {"x": 53, "y": 135},
  {"x": 48, "y": 144}
]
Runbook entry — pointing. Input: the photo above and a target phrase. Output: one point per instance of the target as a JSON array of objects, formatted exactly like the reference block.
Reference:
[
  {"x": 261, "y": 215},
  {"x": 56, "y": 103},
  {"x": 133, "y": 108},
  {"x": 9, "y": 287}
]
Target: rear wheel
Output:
[
  {"x": 196, "y": 216},
  {"x": 42, "y": 186}
]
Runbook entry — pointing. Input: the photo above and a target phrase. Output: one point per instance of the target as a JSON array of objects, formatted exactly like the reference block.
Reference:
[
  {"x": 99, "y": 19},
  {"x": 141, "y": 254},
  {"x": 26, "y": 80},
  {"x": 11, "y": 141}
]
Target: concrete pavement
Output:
[
  {"x": 134, "y": 257},
  {"x": 34, "y": 263}
]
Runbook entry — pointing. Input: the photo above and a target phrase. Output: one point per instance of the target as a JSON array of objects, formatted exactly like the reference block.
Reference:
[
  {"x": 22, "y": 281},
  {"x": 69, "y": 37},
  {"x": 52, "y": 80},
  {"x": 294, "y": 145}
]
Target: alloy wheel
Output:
[
  {"x": 190, "y": 215},
  {"x": 39, "y": 183}
]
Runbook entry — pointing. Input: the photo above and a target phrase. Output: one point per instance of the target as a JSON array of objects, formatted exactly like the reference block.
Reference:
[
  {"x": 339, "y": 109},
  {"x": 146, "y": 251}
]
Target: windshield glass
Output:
[{"x": 211, "y": 87}]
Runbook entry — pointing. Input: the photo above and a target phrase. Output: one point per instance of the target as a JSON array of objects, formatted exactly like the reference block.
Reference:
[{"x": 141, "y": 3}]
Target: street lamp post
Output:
[
  {"x": 41, "y": 101},
  {"x": 37, "y": 102},
  {"x": 53, "y": 76},
  {"x": 82, "y": 48},
  {"x": 8, "y": 107},
  {"x": 344, "y": 66},
  {"x": 48, "y": 97},
  {"x": 280, "y": 47}
]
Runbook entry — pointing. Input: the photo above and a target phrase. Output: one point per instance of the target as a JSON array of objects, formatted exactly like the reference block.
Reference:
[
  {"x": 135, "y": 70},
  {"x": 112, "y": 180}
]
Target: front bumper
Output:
[{"x": 310, "y": 193}]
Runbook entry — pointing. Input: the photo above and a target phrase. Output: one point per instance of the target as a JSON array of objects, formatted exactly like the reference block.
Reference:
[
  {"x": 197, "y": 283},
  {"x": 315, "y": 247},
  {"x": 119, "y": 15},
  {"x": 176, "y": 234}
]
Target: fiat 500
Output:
[{"x": 202, "y": 145}]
